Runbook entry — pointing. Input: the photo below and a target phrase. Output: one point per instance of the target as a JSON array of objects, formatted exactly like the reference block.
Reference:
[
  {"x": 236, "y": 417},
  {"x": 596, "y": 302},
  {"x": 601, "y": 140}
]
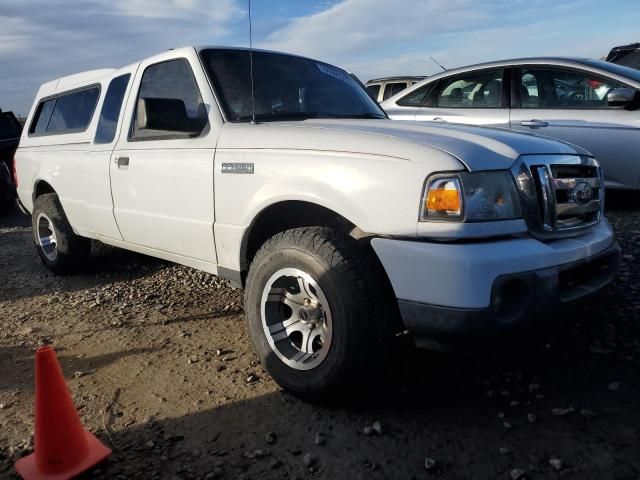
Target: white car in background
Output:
[
  {"x": 590, "y": 103},
  {"x": 382, "y": 88}
]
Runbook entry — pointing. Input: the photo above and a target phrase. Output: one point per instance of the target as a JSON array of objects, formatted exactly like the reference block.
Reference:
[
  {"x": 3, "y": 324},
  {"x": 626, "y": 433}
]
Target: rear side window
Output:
[
  {"x": 417, "y": 97},
  {"x": 374, "y": 91},
  {"x": 42, "y": 117},
  {"x": 66, "y": 113},
  {"x": 472, "y": 90},
  {"x": 108, "y": 122},
  {"x": 73, "y": 111},
  {"x": 392, "y": 88},
  {"x": 169, "y": 103}
]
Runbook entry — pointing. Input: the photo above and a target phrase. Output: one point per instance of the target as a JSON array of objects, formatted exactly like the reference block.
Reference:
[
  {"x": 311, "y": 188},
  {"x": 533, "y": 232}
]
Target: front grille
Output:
[{"x": 561, "y": 195}]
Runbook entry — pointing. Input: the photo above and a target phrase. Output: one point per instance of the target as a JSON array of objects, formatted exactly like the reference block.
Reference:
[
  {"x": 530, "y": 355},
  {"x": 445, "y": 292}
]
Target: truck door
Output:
[{"x": 162, "y": 167}]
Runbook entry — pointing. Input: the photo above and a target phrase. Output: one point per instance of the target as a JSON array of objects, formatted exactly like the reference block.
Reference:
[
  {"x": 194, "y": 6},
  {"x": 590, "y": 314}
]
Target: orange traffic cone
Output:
[{"x": 63, "y": 448}]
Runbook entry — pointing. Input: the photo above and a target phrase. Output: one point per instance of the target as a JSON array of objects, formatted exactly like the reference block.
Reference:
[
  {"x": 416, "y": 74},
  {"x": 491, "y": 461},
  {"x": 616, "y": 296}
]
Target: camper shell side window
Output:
[{"x": 68, "y": 112}]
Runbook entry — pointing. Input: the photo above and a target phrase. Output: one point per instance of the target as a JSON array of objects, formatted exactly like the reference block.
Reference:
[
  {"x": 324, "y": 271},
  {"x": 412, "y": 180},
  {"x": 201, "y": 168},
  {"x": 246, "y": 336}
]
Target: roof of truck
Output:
[
  {"x": 72, "y": 81},
  {"x": 82, "y": 79},
  {"x": 199, "y": 48}
]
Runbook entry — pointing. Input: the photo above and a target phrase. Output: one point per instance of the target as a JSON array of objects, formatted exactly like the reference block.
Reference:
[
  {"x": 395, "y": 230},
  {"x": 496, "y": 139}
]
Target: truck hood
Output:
[{"x": 478, "y": 148}]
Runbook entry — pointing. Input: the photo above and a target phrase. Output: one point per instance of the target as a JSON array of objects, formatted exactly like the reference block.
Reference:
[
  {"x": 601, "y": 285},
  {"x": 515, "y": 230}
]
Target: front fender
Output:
[{"x": 378, "y": 194}]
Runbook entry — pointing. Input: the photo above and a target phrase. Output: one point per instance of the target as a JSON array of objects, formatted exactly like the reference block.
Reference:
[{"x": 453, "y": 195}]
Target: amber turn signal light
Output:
[{"x": 443, "y": 200}]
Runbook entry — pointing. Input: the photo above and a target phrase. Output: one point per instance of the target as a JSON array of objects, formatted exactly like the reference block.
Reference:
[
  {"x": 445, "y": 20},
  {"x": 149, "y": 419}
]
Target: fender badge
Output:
[{"x": 237, "y": 168}]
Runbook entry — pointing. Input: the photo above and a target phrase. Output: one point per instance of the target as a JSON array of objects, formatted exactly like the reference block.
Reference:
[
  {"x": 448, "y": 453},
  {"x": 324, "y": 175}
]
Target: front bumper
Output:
[{"x": 449, "y": 293}]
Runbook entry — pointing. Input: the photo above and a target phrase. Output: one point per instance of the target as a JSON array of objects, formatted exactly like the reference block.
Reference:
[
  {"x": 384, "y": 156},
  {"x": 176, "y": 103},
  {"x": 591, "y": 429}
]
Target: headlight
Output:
[{"x": 471, "y": 197}]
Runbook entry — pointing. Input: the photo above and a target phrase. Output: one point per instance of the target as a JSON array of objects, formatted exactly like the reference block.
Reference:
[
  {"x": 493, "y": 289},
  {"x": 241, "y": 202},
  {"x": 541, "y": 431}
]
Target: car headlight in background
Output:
[{"x": 471, "y": 197}]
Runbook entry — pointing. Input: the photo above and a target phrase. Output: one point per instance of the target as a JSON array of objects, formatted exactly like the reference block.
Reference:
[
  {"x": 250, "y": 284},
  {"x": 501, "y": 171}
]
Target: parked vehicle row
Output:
[
  {"x": 590, "y": 103},
  {"x": 343, "y": 226},
  {"x": 10, "y": 130}
]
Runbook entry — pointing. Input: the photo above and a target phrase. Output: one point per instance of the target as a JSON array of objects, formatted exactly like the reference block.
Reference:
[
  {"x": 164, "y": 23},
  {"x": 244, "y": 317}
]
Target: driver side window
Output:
[
  {"x": 169, "y": 103},
  {"x": 472, "y": 90},
  {"x": 564, "y": 89}
]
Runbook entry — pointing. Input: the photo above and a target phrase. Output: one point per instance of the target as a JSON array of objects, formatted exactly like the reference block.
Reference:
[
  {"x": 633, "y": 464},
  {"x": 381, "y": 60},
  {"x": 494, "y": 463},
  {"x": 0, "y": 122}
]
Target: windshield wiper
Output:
[
  {"x": 361, "y": 115},
  {"x": 295, "y": 115},
  {"x": 282, "y": 115}
]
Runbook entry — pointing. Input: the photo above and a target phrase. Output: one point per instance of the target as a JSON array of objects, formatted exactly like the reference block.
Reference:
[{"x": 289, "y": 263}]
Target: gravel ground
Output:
[{"x": 161, "y": 369}]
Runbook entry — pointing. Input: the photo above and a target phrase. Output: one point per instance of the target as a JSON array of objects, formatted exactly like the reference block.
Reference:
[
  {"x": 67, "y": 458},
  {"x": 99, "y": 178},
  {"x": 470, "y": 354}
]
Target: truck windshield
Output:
[{"x": 286, "y": 87}]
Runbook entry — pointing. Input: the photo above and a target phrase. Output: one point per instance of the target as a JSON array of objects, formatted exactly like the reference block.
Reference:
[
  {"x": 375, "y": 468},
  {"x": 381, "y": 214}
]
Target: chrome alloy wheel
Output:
[
  {"x": 296, "y": 319},
  {"x": 47, "y": 237}
]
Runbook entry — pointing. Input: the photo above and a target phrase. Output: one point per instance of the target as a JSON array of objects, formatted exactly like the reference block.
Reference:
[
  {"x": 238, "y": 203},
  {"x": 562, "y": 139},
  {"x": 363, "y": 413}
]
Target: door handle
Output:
[
  {"x": 439, "y": 119},
  {"x": 534, "y": 123},
  {"x": 123, "y": 162}
]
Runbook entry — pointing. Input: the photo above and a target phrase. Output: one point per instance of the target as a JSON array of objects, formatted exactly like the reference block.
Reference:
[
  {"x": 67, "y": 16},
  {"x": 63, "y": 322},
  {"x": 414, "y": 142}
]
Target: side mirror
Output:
[
  {"x": 621, "y": 97},
  {"x": 168, "y": 114}
]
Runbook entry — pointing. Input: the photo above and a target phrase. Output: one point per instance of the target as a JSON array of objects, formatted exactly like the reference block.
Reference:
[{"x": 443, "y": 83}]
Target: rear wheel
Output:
[
  {"x": 319, "y": 312},
  {"x": 61, "y": 250}
]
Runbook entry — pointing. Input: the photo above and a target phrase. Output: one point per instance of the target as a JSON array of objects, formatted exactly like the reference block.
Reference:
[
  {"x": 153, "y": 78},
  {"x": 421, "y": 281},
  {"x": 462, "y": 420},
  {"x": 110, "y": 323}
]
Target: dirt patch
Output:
[{"x": 161, "y": 369}]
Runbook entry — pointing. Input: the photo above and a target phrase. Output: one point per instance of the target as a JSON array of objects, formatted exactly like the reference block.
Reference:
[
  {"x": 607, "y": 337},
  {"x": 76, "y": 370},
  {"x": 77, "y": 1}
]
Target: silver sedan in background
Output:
[{"x": 590, "y": 103}]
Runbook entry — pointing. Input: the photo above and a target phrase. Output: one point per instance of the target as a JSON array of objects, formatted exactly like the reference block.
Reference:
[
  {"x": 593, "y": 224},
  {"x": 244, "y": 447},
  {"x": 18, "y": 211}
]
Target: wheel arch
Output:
[
  {"x": 40, "y": 188},
  {"x": 285, "y": 215}
]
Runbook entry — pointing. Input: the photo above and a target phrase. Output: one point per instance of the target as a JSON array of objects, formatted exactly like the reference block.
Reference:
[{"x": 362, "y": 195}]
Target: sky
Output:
[{"x": 41, "y": 40}]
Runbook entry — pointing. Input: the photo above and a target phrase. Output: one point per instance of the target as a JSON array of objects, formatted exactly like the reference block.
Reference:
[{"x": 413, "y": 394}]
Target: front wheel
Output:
[{"x": 319, "y": 311}]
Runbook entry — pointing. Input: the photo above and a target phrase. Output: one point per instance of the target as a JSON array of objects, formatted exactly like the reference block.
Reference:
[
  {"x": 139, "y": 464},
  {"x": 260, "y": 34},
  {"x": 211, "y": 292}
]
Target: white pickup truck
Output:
[{"x": 343, "y": 227}]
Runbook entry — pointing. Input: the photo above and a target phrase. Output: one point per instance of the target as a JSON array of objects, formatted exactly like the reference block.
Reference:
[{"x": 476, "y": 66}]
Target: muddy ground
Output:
[{"x": 161, "y": 369}]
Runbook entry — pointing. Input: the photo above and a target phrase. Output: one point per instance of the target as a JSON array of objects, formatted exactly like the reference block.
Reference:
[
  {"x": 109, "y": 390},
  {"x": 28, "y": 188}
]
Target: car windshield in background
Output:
[
  {"x": 286, "y": 87},
  {"x": 628, "y": 72}
]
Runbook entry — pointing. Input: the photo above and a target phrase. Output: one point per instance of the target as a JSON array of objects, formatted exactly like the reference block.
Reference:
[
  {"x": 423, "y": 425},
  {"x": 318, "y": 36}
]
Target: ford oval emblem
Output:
[{"x": 582, "y": 193}]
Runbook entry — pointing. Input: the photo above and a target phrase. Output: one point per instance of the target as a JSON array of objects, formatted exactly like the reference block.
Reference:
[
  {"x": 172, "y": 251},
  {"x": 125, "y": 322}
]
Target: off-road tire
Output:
[
  {"x": 358, "y": 292},
  {"x": 72, "y": 249}
]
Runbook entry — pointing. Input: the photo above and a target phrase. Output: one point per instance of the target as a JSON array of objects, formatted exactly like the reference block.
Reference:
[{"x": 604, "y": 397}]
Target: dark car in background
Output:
[
  {"x": 10, "y": 131},
  {"x": 627, "y": 55}
]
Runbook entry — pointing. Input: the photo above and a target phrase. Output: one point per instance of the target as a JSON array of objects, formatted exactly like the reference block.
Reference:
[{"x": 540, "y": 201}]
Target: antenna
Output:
[
  {"x": 434, "y": 61},
  {"x": 253, "y": 101}
]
